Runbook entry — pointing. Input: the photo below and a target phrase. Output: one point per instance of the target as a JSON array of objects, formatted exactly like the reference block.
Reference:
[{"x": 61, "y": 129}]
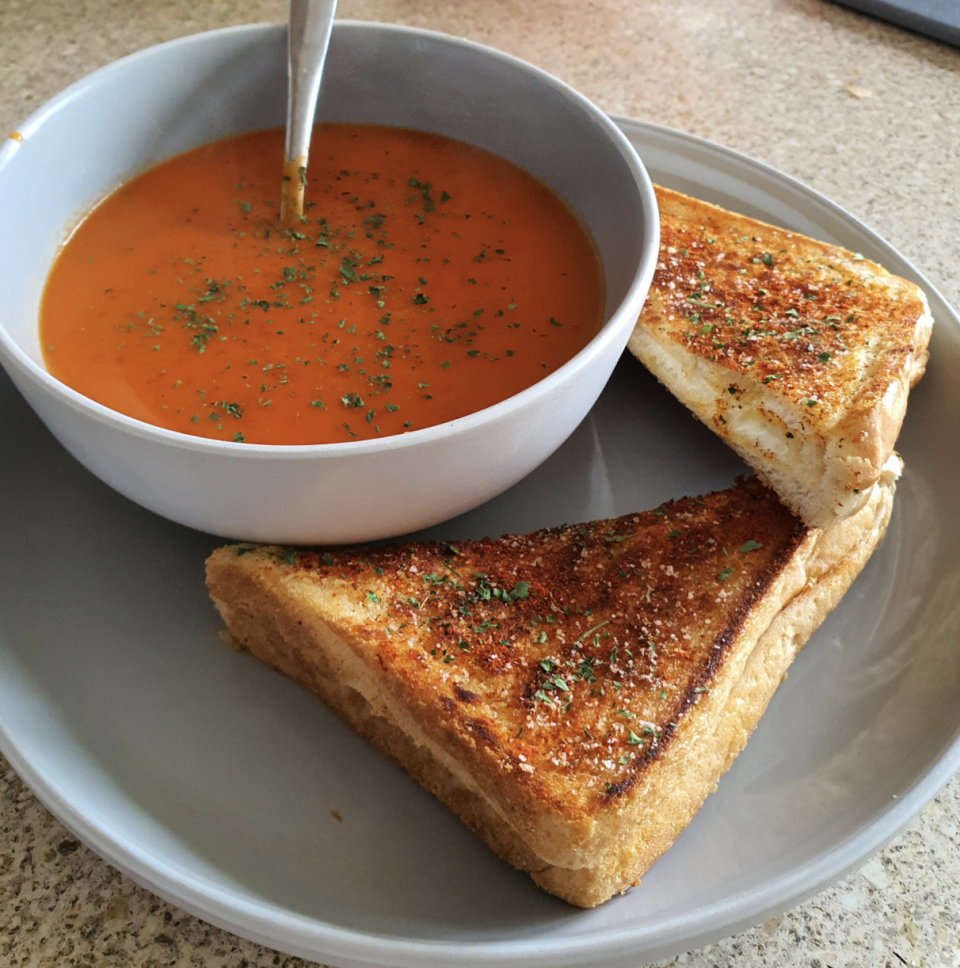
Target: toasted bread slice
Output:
[
  {"x": 573, "y": 694},
  {"x": 799, "y": 354}
]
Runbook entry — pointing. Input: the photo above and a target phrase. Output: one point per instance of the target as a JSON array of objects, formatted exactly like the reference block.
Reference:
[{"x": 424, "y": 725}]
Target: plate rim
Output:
[{"x": 311, "y": 938}]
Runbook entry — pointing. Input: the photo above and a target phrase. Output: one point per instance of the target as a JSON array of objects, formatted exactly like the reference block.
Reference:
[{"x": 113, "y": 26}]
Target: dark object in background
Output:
[{"x": 939, "y": 19}]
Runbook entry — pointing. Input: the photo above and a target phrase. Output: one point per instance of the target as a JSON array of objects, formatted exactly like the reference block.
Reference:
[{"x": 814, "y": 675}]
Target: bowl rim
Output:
[{"x": 630, "y": 304}]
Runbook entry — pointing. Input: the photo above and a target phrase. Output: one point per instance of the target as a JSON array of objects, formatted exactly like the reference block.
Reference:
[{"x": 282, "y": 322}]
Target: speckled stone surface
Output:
[{"x": 864, "y": 112}]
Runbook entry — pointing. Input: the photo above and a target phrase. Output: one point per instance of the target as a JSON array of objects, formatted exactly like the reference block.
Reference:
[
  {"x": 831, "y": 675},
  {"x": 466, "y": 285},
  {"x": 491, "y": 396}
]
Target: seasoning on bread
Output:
[
  {"x": 572, "y": 694},
  {"x": 798, "y": 354}
]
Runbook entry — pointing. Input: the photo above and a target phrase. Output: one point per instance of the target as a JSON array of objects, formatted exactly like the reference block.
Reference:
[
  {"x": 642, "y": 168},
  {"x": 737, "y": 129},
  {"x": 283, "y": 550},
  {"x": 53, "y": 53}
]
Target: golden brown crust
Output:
[
  {"x": 816, "y": 342},
  {"x": 548, "y": 737}
]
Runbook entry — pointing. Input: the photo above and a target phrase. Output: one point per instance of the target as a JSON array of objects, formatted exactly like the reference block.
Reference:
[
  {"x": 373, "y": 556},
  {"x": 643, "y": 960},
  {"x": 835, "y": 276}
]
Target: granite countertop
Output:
[{"x": 865, "y": 113}]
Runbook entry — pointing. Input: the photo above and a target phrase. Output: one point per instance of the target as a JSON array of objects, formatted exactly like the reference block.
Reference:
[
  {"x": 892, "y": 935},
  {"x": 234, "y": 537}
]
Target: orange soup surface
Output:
[{"x": 427, "y": 280}]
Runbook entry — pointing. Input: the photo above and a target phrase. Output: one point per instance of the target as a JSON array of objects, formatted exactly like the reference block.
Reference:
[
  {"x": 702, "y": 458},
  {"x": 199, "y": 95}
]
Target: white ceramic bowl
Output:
[{"x": 167, "y": 99}]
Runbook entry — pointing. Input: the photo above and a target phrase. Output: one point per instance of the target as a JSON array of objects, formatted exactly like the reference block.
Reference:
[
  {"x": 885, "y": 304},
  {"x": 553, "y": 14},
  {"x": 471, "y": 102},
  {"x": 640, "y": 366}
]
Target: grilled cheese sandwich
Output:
[
  {"x": 573, "y": 694},
  {"x": 798, "y": 354}
]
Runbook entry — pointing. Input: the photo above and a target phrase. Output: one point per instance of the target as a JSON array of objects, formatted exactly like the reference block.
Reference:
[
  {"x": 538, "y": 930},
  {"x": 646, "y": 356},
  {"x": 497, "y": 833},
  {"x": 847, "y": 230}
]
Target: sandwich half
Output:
[
  {"x": 798, "y": 354},
  {"x": 572, "y": 694}
]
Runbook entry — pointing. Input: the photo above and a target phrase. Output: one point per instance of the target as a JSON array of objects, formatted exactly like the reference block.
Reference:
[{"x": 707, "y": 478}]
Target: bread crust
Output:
[
  {"x": 583, "y": 837},
  {"x": 798, "y": 354}
]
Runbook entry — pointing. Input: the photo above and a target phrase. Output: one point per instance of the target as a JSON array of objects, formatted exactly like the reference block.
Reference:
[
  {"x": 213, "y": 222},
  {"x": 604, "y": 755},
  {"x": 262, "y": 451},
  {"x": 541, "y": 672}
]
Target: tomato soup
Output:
[{"x": 426, "y": 280}]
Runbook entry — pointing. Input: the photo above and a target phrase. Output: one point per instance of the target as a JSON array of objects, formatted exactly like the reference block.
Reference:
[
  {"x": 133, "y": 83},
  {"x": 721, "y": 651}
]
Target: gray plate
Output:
[{"x": 210, "y": 779}]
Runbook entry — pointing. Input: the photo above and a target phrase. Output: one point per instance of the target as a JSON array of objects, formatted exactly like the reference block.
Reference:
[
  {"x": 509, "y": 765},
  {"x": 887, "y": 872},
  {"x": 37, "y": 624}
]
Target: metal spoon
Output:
[{"x": 307, "y": 39}]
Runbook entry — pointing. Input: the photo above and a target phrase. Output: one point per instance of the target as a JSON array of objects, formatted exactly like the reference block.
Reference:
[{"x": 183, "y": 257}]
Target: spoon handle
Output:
[{"x": 307, "y": 40}]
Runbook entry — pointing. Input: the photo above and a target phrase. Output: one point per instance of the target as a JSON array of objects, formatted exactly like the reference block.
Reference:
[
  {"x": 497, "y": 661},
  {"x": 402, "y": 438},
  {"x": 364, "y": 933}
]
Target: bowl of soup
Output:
[{"x": 476, "y": 243}]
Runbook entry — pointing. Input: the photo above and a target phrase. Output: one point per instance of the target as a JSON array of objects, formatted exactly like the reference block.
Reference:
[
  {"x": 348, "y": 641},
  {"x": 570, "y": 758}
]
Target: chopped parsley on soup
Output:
[{"x": 428, "y": 279}]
